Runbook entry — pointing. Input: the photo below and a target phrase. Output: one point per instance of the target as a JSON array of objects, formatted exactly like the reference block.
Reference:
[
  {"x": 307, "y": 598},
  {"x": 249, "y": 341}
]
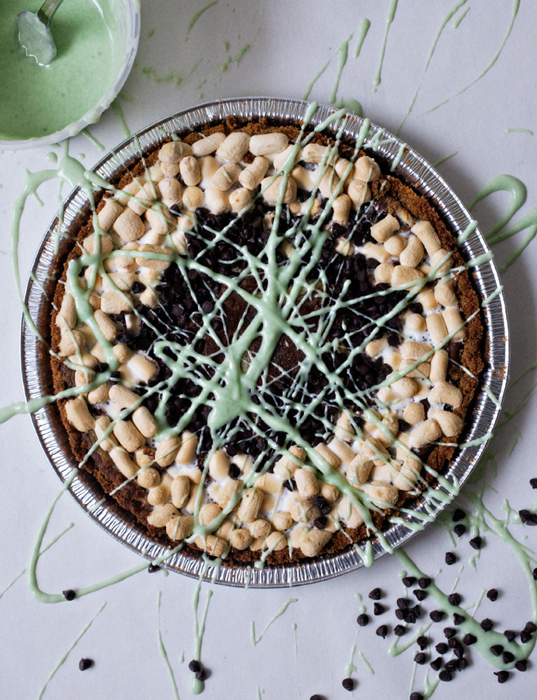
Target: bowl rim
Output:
[
  {"x": 94, "y": 114},
  {"x": 411, "y": 167}
]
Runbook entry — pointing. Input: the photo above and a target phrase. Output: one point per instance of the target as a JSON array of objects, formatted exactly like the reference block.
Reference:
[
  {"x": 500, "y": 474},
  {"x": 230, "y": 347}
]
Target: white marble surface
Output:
[{"x": 289, "y": 44}]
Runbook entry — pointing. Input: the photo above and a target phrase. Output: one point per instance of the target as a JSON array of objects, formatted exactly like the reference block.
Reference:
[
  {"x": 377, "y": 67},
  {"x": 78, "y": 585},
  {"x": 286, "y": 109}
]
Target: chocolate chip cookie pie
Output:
[{"x": 269, "y": 344}]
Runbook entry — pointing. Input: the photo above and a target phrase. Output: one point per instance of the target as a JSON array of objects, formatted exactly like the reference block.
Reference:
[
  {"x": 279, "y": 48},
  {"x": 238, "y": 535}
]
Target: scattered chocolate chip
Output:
[
  {"x": 362, "y": 620},
  {"x": 375, "y": 594},
  {"x": 194, "y": 666},
  {"x": 462, "y": 664},
  {"x": 316, "y": 697},
  {"x": 510, "y": 635},
  {"x": 420, "y": 595},
  {"x": 436, "y": 615},
  {"x": 442, "y": 648},
  {"x": 153, "y": 568},
  {"x": 445, "y": 676},
  {"x": 436, "y": 665},
  {"x": 459, "y": 529},
  {"x": 530, "y": 627},
  {"x": 424, "y": 582},
  {"x": 534, "y": 572},
  {"x": 527, "y": 517},
  {"x": 458, "y": 619},
  {"x": 378, "y": 609},
  {"x": 137, "y": 287},
  {"x": 201, "y": 675},
  {"x": 458, "y": 514},
  {"x": 348, "y": 683},
  {"x": 422, "y": 642},
  {"x": 492, "y": 594},
  {"x": 521, "y": 665},
  {"x": 507, "y": 657},
  {"x": 502, "y": 676},
  {"x": 399, "y": 630},
  {"x": 403, "y": 603},
  {"x": 84, "y": 664},
  {"x": 69, "y": 594},
  {"x": 450, "y": 558},
  {"x": 454, "y": 599},
  {"x": 382, "y": 631},
  {"x": 449, "y": 632},
  {"x": 525, "y": 637},
  {"x": 409, "y": 581},
  {"x": 497, "y": 649},
  {"x": 234, "y": 471},
  {"x": 476, "y": 542},
  {"x": 320, "y": 523},
  {"x": 451, "y": 665},
  {"x": 533, "y": 483},
  {"x": 420, "y": 658},
  {"x": 416, "y": 696},
  {"x": 487, "y": 624},
  {"x": 469, "y": 639},
  {"x": 400, "y": 614}
]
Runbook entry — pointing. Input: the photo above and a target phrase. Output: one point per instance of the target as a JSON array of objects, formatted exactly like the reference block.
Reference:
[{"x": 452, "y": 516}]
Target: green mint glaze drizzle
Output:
[
  {"x": 362, "y": 33},
  {"x": 446, "y": 19},
  {"x": 389, "y": 19},
  {"x": 163, "y": 651},
  {"x": 198, "y": 14},
  {"x": 458, "y": 21},
  {"x": 277, "y": 614}
]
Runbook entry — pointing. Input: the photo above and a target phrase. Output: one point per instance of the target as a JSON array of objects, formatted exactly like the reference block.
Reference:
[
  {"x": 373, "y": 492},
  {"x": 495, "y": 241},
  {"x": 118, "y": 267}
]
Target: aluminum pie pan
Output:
[{"x": 413, "y": 170}]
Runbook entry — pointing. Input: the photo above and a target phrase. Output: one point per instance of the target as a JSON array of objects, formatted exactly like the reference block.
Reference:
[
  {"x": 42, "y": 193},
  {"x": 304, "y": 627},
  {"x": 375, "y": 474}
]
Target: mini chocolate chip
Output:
[
  {"x": 362, "y": 620},
  {"x": 496, "y": 649},
  {"x": 416, "y": 308},
  {"x": 316, "y": 697},
  {"x": 420, "y": 595},
  {"x": 534, "y": 572},
  {"x": 234, "y": 471},
  {"x": 84, "y": 664},
  {"x": 422, "y": 642},
  {"x": 502, "y": 676},
  {"x": 409, "y": 581},
  {"x": 424, "y": 582},
  {"x": 175, "y": 209},
  {"x": 348, "y": 683},
  {"x": 400, "y": 614},
  {"x": 510, "y": 635},
  {"x": 458, "y": 514},
  {"x": 527, "y": 517},
  {"x": 469, "y": 639},
  {"x": 476, "y": 542},
  {"x": 201, "y": 675},
  {"x": 69, "y": 594},
  {"x": 533, "y": 483},
  {"x": 436, "y": 664},
  {"x": 442, "y": 648},
  {"x": 375, "y": 594},
  {"x": 507, "y": 657},
  {"x": 530, "y": 627},
  {"x": 492, "y": 594},
  {"x": 521, "y": 665},
  {"x": 194, "y": 666},
  {"x": 403, "y": 603},
  {"x": 378, "y": 609},
  {"x": 454, "y": 599},
  {"x": 525, "y": 637},
  {"x": 153, "y": 568},
  {"x": 382, "y": 631},
  {"x": 137, "y": 287},
  {"x": 436, "y": 615},
  {"x": 459, "y": 529},
  {"x": 399, "y": 630},
  {"x": 449, "y": 632},
  {"x": 420, "y": 658},
  {"x": 416, "y": 696},
  {"x": 462, "y": 664},
  {"x": 320, "y": 523},
  {"x": 451, "y": 665},
  {"x": 458, "y": 619},
  {"x": 450, "y": 558},
  {"x": 445, "y": 676},
  {"x": 487, "y": 624}
]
